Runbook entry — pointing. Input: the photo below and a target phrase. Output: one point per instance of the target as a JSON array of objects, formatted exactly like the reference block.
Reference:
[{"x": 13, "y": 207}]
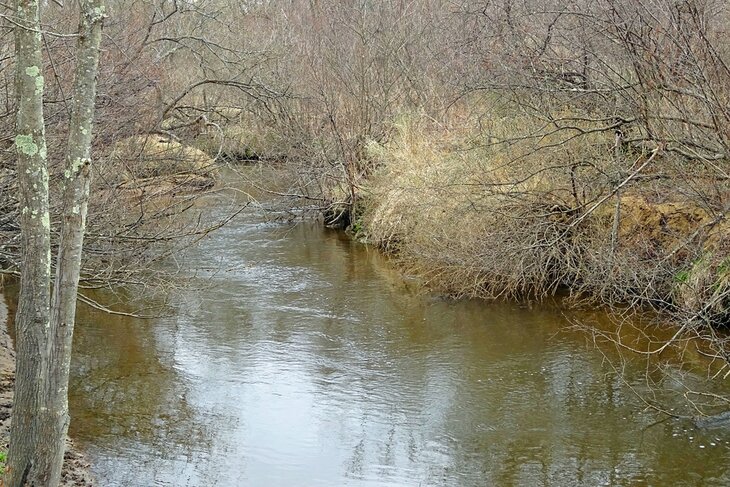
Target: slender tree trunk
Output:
[
  {"x": 33, "y": 316},
  {"x": 54, "y": 424},
  {"x": 44, "y": 333}
]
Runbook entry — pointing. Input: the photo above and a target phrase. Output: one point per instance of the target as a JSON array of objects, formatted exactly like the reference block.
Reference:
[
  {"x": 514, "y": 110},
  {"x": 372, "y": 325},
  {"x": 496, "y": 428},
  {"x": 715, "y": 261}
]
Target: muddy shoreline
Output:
[{"x": 76, "y": 470}]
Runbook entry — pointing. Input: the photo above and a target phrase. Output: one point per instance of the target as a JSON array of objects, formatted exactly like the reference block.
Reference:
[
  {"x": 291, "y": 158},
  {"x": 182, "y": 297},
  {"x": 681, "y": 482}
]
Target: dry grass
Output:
[
  {"x": 235, "y": 136},
  {"x": 473, "y": 219},
  {"x": 149, "y": 156},
  {"x": 522, "y": 218}
]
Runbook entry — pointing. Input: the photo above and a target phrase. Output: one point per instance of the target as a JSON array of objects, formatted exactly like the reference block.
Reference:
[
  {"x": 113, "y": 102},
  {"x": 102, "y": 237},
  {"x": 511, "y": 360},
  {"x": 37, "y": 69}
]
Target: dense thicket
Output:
[{"x": 512, "y": 147}]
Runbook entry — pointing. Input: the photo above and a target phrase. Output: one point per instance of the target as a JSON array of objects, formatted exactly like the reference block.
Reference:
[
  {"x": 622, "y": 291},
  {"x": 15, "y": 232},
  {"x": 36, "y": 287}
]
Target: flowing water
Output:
[{"x": 308, "y": 361}]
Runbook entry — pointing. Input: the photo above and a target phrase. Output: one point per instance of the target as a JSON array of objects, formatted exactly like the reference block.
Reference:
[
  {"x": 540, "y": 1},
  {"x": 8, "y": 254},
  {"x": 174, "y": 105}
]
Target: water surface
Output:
[{"x": 311, "y": 363}]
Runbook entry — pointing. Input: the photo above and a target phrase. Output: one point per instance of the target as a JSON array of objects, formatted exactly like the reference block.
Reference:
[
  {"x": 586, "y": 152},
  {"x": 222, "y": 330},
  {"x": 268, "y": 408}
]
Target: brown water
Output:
[{"x": 311, "y": 363}]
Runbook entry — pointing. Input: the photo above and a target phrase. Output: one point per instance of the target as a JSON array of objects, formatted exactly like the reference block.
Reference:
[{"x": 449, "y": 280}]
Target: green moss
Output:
[
  {"x": 25, "y": 144},
  {"x": 724, "y": 267},
  {"x": 39, "y": 82},
  {"x": 76, "y": 165},
  {"x": 681, "y": 276},
  {"x": 45, "y": 220},
  {"x": 35, "y": 72}
]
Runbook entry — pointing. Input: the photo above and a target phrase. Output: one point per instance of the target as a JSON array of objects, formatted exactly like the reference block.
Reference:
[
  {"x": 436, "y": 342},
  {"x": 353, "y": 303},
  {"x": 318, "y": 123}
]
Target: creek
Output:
[{"x": 305, "y": 359}]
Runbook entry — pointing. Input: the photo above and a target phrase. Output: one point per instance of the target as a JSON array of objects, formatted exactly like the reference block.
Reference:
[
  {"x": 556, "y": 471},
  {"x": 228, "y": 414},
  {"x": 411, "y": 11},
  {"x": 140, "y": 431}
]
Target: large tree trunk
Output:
[
  {"x": 33, "y": 316},
  {"x": 54, "y": 424},
  {"x": 44, "y": 333}
]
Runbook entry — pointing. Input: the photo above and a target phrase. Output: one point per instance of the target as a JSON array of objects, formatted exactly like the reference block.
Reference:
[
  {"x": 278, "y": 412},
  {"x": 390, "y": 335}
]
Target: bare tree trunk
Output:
[
  {"x": 54, "y": 424},
  {"x": 33, "y": 316},
  {"x": 40, "y": 412}
]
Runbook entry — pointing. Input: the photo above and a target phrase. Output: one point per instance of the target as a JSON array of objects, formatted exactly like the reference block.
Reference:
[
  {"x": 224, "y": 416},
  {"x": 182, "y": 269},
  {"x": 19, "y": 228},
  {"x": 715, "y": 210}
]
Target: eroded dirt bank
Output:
[{"x": 76, "y": 471}]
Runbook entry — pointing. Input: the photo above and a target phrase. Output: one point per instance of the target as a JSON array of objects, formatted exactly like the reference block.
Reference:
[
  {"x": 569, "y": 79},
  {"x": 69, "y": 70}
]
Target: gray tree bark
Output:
[
  {"x": 33, "y": 315},
  {"x": 38, "y": 443},
  {"x": 54, "y": 423}
]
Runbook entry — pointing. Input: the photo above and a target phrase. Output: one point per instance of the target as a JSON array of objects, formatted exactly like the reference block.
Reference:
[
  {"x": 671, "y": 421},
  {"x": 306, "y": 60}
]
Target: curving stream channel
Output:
[{"x": 310, "y": 362}]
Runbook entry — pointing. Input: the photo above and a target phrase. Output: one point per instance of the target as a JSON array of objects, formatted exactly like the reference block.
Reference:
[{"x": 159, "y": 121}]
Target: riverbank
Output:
[
  {"x": 76, "y": 470},
  {"x": 527, "y": 220}
]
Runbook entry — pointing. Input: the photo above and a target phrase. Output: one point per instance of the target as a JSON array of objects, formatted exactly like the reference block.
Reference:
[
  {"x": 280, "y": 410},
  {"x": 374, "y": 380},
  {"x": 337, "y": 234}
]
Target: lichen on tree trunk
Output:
[
  {"x": 33, "y": 316},
  {"x": 44, "y": 325}
]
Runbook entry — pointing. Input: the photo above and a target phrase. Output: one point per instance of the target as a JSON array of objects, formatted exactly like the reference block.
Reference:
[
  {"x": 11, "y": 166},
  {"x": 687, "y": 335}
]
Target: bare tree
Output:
[
  {"x": 34, "y": 306},
  {"x": 44, "y": 326}
]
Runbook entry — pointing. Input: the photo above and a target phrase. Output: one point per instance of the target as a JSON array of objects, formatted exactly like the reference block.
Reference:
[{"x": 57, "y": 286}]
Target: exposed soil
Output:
[{"x": 76, "y": 470}]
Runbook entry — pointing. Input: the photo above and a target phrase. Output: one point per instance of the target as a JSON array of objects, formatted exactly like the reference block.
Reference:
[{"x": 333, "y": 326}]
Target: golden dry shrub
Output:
[
  {"x": 525, "y": 217},
  {"x": 234, "y": 138},
  {"x": 474, "y": 220},
  {"x": 153, "y": 156}
]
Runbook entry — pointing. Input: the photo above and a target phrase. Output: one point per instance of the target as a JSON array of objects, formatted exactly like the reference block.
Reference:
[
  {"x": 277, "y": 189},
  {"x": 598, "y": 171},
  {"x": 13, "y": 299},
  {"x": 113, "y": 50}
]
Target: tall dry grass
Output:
[{"x": 500, "y": 215}]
